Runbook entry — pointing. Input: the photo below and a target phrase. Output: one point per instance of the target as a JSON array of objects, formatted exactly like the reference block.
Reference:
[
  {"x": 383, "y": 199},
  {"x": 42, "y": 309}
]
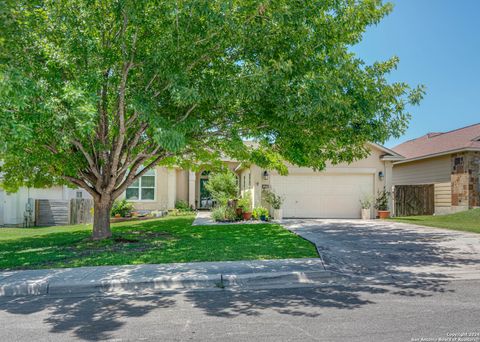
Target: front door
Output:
[{"x": 205, "y": 197}]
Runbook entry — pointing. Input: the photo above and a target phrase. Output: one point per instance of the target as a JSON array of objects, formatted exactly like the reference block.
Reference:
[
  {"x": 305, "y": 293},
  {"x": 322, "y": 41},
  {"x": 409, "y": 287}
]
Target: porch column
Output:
[
  {"x": 191, "y": 188},
  {"x": 171, "y": 188}
]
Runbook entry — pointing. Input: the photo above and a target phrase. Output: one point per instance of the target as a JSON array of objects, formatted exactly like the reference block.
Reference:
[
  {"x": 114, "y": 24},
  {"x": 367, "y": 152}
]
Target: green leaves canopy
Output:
[{"x": 191, "y": 79}]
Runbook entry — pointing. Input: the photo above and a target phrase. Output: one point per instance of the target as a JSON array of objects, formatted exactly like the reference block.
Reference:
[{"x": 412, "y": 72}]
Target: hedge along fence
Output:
[{"x": 63, "y": 212}]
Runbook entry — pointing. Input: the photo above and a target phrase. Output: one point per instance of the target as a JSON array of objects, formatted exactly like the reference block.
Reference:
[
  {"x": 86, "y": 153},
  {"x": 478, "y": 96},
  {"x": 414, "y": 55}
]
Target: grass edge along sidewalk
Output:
[{"x": 164, "y": 240}]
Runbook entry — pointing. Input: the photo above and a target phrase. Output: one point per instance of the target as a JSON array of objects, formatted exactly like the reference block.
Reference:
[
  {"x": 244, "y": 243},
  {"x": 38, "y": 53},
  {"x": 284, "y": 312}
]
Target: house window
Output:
[
  {"x": 79, "y": 194},
  {"x": 143, "y": 189}
]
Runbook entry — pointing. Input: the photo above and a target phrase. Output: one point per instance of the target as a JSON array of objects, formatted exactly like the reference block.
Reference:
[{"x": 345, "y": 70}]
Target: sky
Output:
[{"x": 438, "y": 43}]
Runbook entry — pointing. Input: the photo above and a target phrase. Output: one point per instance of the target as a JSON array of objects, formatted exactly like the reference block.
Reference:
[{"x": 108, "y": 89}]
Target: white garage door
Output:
[{"x": 323, "y": 196}]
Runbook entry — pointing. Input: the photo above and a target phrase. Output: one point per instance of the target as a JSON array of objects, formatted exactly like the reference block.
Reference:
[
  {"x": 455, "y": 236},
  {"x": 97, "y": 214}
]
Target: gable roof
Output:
[
  {"x": 389, "y": 154},
  {"x": 439, "y": 143}
]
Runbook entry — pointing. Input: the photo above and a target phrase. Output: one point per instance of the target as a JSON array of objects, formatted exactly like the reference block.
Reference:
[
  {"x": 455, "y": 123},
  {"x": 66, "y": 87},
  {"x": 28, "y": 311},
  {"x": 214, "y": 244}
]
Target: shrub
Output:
[
  {"x": 274, "y": 200},
  {"x": 224, "y": 213},
  {"x": 381, "y": 203},
  {"x": 260, "y": 211},
  {"x": 223, "y": 187},
  {"x": 121, "y": 207},
  {"x": 366, "y": 202},
  {"x": 182, "y": 205},
  {"x": 245, "y": 203}
]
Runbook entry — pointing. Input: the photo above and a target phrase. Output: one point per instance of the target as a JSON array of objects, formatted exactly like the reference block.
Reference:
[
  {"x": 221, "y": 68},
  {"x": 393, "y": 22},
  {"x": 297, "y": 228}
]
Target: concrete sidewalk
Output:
[{"x": 133, "y": 278}]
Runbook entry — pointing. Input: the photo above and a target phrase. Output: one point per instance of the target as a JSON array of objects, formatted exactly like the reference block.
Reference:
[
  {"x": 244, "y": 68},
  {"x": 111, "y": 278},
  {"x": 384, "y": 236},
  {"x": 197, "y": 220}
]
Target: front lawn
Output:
[
  {"x": 468, "y": 221},
  {"x": 165, "y": 240}
]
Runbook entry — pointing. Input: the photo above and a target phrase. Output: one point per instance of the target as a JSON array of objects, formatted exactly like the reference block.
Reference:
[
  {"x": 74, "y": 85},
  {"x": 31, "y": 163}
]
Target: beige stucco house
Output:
[
  {"x": 450, "y": 161},
  {"x": 332, "y": 193}
]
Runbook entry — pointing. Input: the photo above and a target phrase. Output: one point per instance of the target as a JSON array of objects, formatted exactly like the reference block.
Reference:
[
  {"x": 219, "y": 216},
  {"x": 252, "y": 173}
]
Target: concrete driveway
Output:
[{"x": 384, "y": 249}]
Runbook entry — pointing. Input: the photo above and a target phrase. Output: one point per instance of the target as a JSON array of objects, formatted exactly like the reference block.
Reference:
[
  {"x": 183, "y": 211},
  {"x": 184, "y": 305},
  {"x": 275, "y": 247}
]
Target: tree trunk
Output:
[{"x": 101, "y": 219}]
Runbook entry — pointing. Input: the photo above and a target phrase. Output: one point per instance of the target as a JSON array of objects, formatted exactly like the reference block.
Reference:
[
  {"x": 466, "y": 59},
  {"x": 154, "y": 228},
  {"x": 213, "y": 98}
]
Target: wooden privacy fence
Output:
[
  {"x": 63, "y": 212},
  {"x": 81, "y": 210},
  {"x": 412, "y": 200}
]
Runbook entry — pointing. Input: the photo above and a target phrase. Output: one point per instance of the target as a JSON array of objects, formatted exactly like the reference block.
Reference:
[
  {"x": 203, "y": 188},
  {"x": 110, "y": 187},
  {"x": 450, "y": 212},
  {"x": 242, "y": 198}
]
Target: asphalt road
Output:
[{"x": 430, "y": 309}]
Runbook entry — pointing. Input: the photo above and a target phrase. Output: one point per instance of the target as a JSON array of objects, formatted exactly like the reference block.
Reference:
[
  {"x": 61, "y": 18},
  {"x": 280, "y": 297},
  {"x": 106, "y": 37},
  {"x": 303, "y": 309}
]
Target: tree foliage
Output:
[
  {"x": 223, "y": 187},
  {"x": 94, "y": 93}
]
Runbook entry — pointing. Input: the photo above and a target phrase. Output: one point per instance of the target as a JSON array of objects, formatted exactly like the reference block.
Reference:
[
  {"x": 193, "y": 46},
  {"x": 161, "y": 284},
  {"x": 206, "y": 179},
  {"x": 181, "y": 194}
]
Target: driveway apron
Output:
[{"x": 390, "y": 249}]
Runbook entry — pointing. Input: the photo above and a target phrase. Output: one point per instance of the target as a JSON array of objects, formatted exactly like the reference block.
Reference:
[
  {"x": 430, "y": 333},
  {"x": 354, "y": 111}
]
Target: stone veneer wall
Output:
[
  {"x": 474, "y": 185},
  {"x": 465, "y": 180}
]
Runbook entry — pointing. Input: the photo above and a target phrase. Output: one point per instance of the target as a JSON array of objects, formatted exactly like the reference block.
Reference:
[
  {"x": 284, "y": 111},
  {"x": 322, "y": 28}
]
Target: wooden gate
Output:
[
  {"x": 81, "y": 211},
  {"x": 63, "y": 212},
  {"x": 412, "y": 200},
  {"x": 52, "y": 212}
]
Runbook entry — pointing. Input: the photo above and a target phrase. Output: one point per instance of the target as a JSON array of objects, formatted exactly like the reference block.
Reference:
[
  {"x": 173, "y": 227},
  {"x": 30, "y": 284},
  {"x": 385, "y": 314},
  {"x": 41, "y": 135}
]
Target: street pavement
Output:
[{"x": 354, "y": 312}]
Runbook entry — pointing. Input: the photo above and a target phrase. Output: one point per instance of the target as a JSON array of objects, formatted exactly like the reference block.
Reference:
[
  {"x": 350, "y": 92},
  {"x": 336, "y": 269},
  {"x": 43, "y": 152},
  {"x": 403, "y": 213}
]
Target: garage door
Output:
[{"x": 323, "y": 196}]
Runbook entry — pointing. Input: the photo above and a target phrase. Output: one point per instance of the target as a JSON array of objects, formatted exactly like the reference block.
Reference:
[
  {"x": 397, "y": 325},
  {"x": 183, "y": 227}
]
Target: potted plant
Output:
[
  {"x": 366, "y": 204},
  {"x": 245, "y": 204},
  {"x": 276, "y": 202},
  {"x": 381, "y": 204},
  {"x": 260, "y": 213}
]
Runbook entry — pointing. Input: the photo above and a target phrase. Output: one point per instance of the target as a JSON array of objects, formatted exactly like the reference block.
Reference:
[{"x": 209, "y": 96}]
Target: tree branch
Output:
[
  {"x": 133, "y": 176},
  {"x": 81, "y": 183},
  {"x": 187, "y": 114},
  {"x": 89, "y": 159}
]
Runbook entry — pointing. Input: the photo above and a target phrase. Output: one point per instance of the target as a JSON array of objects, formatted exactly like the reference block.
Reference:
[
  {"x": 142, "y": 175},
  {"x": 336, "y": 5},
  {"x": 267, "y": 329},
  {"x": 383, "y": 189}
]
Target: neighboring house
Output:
[
  {"x": 332, "y": 193},
  {"x": 450, "y": 161},
  {"x": 15, "y": 207}
]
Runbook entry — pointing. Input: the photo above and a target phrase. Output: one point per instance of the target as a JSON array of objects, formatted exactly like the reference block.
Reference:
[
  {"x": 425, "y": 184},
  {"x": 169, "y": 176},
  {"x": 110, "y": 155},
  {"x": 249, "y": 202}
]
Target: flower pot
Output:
[
  {"x": 239, "y": 211},
  {"x": 383, "y": 214},
  {"x": 118, "y": 215},
  {"x": 277, "y": 214},
  {"x": 247, "y": 216},
  {"x": 366, "y": 214},
  {"x": 263, "y": 217}
]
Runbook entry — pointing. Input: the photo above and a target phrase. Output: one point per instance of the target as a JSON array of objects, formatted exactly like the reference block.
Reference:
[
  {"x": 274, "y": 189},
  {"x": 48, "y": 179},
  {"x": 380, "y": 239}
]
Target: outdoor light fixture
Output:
[
  {"x": 381, "y": 175},
  {"x": 265, "y": 175}
]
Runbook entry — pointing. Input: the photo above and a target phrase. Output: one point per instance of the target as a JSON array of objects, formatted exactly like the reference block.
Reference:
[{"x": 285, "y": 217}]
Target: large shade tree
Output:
[{"x": 95, "y": 93}]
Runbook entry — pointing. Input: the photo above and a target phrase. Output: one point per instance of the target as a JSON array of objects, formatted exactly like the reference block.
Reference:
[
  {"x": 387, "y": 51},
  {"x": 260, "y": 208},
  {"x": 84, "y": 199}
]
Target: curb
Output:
[{"x": 175, "y": 283}]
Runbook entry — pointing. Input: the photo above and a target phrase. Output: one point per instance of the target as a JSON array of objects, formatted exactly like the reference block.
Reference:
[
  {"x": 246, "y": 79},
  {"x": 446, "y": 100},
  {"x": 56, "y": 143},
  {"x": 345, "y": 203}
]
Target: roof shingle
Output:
[{"x": 437, "y": 143}]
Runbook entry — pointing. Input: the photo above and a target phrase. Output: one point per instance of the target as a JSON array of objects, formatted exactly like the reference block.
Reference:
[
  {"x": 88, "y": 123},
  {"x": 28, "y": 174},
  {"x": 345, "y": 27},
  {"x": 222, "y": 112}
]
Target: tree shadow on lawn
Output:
[
  {"x": 165, "y": 240},
  {"x": 66, "y": 249}
]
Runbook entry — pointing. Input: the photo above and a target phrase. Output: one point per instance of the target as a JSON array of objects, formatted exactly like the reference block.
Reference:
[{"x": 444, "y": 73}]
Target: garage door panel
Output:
[{"x": 323, "y": 196}]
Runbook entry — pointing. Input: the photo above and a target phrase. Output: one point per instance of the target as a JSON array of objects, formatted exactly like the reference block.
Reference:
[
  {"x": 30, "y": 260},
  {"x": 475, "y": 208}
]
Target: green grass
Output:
[
  {"x": 166, "y": 240},
  {"x": 468, "y": 221}
]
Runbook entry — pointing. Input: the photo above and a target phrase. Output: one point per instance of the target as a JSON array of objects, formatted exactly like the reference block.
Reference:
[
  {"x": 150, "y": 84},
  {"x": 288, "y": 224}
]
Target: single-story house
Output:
[
  {"x": 448, "y": 160},
  {"x": 331, "y": 193}
]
